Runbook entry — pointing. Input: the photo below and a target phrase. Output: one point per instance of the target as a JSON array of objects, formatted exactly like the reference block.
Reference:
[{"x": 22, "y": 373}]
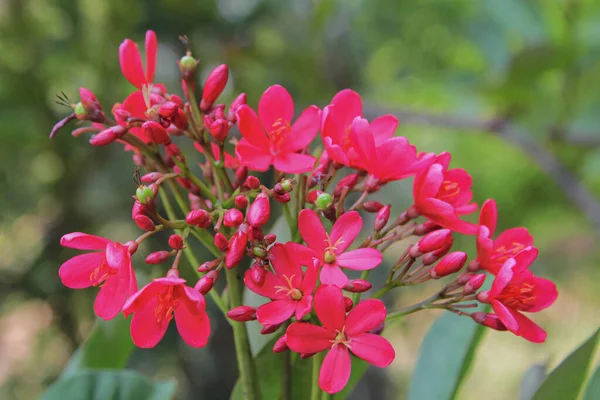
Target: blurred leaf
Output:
[
  {"x": 568, "y": 379},
  {"x": 270, "y": 367},
  {"x": 593, "y": 389},
  {"x": 446, "y": 355},
  {"x": 517, "y": 17},
  {"x": 532, "y": 380},
  {"x": 113, "y": 385},
  {"x": 108, "y": 346}
]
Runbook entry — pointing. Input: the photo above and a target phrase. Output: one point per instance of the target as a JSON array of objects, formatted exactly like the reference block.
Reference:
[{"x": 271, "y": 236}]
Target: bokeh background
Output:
[{"x": 510, "y": 87}]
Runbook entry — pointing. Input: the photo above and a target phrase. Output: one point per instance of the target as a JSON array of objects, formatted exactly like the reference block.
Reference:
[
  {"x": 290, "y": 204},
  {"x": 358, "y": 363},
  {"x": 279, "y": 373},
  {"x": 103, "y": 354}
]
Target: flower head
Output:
[
  {"x": 271, "y": 139},
  {"x": 342, "y": 334},
  {"x": 131, "y": 62},
  {"x": 330, "y": 249},
  {"x": 155, "y": 304},
  {"x": 109, "y": 267}
]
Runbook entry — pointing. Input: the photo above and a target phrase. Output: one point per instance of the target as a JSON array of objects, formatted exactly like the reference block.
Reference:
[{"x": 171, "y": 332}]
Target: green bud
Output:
[
  {"x": 79, "y": 109},
  {"x": 259, "y": 252},
  {"x": 324, "y": 200},
  {"x": 187, "y": 62},
  {"x": 286, "y": 184},
  {"x": 144, "y": 192}
]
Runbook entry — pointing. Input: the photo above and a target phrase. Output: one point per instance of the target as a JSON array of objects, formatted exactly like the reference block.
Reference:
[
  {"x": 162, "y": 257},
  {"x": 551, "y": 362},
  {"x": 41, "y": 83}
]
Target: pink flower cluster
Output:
[{"x": 310, "y": 301}]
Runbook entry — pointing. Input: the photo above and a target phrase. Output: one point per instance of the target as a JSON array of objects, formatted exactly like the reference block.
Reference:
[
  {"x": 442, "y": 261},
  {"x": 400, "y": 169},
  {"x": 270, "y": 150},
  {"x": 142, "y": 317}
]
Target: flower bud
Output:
[
  {"x": 206, "y": 266},
  {"x": 357, "y": 286},
  {"x": 144, "y": 223},
  {"x": 168, "y": 109},
  {"x": 235, "y": 104},
  {"x": 237, "y": 249},
  {"x": 423, "y": 228},
  {"x": 176, "y": 242},
  {"x": 280, "y": 345},
  {"x": 259, "y": 252},
  {"x": 474, "y": 265},
  {"x": 431, "y": 242},
  {"x": 144, "y": 194},
  {"x": 180, "y": 120},
  {"x": 270, "y": 238},
  {"x": 474, "y": 284},
  {"x": 221, "y": 241},
  {"x": 108, "y": 136},
  {"x": 151, "y": 177},
  {"x": 157, "y": 257},
  {"x": 258, "y": 274},
  {"x": 214, "y": 85},
  {"x": 91, "y": 106},
  {"x": 324, "y": 200},
  {"x": 219, "y": 130},
  {"x": 347, "y": 182},
  {"x": 138, "y": 209},
  {"x": 187, "y": 64},
  {"x": 381, "y": 219},
  {"x": 252, "y": 182},
  {"x": 284, "y": 198},
  {"x": 200, "y": 218},
  {"x": 348, "y": 303},
  {"x": 267, "y": 329},
  {"x": 155, "y": 132},
  {"x": 241, "y": 201},
  {"x": 448, "y": 265},
  {"x": 259, "y": 211},
  {"x": 206, "y": 283},
  {"x": 489, "y": 320},
  {"x": 372, "y": 206},
  {"x": 255, "y": 235},
  {"x": 233, "y": 217},
  {"x": 242, "y": 314}
]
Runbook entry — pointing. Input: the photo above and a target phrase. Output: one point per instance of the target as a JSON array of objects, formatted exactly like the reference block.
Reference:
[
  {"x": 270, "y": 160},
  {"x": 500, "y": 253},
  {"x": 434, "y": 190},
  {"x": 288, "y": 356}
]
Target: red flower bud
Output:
[
  {"x": 242, "y": 314},
  {"x": 252, "y": 182},
  {"x": 206, "y": 283},
  {"x": 155, "y": 132},
  {"x": 259, "y": 211},
  {"x": 382, "y": 217},
  {"x": 108, "y": 136},
  {"x": 235, "y": 104},
  {"x": 152, "y": 177},
  {"x": 450, "y": 264},
  {"x": 348, "y": 303},
  {"x": 489, "y": 320},
  {"x": 168, "y": 109},
  {"x": 144, "y": 223},
  {"x": 219, "y": 130},
  {"x": 313, "y": 195},
  {"x": 91, "y": 105},
  {"x": 176, "y": 242},
  {"x": 432, "y": 241},
  {"x": 270, "y": 238},
  {"x": 346, "y": 182},
  {"x": 425, "y": 227},
  {"x": 267, "y": 329},
  {"x": 206, "y": 266},
  {"x": 280, "y": 345},
  {"x": 172, "y": 150},
  {"x": 157, "y": 257},
  {"x": 233, "y": 217},
  {"x": 372, "y": 206},
  {"x": 258, "y": 274},
  {"x": 179, "y": 120},
  {"x": 214, "y": 85},
  {"x": 221, "y": 241},
  {"x": 357, "y": 286},
  {"x": 474, "y": 284},
  {"x": 176, "y": 99},
  {"x": 237, "y": 249},
  {"x": 306, "y": 355},
  {"x": 138, "y": 209},
  {"x": 255, "y": 235},
  {"x": 200, "y": 218},
  {"x": 241, "y": 201},
  {"x": 284, "y": 198}
]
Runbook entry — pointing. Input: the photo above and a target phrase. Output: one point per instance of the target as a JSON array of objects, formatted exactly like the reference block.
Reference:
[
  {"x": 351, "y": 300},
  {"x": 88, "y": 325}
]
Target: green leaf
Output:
[
  {"x": 113, "y": 385},
  {"x": 567, "y": 380},
  {"x": 108, "y": 346},
  {"x": 593, "y": 389},
  {"x": 532, "y": 380},
  {"x": 446, "y": 355}
]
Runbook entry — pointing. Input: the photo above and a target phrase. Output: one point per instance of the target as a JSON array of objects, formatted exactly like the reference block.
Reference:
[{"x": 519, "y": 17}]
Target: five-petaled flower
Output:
[
  {"x": 441, "y": 195},
  {"x": 153, "y": 308},
  {"x": 341, "y": 334},
  {"x": 330, "y": 249},
  {"x": 515, "y": 290},
  {"x": 110, "y": 268},
  {"x": 289, "y": 289},
  {"x": 271, "y": 139},
  {"x": 492, "y": 254}
]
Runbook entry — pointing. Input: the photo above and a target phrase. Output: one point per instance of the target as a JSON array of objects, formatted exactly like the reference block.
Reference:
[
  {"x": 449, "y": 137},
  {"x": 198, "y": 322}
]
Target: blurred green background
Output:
[{"x": 529, "y": 68}]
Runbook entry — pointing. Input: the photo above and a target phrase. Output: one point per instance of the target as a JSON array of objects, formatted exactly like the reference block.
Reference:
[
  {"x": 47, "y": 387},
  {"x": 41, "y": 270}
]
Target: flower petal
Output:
[
  {"x": 360, "y": 259},
  {"x": 364, "y": 143},
  {"x": 312, "y": 231},
  {"x": 254, "y": 158},
  {"x": 191, "y": 318},
  {"x": 302, "y": 254},
  {"x": 366, "y": 315},
  {"x": 429, "y": 183},
  {"x": 335, "y": 370},
  {"x": 488, "y": 216},
  {"x": 113, "y": 293},
  {"x": 293, "y": 163},
  {"x": 373, "y": 349},
  {"x": 250, "y": 127},
  {"x": 75, "y": 272},
  {"x": 333, "y": 275},
  {"x": 383, "y": 127},
  {"x": 138, "y": 300},
  {"x": 275, "y": 103},
  {"x": 345, "y": 230},
  {"x": 131, "y": 63},
  {"x": 303, "y": 131},
  {"x": 83, "y": 241},
  {"x": 151, "y": 47},
  {"x": 545, "y": 294},
  {"x": 528, "y": 329},
  {"x": 269, "y": 286},
  {"x": 303, "y": 337},
  {"x": 506, "y": 316},
  {"x": 275, "y": 312},
  {"x": 330, "y": 308},
  {"x": 309, "y": 280},
  {"x": 282, "y": 262},
  {"x": 347, "y": 105},
  {"x": 304, "y": 306},
  {"x": 146, "y": 332},
  {"x": 503, "y": 277}
]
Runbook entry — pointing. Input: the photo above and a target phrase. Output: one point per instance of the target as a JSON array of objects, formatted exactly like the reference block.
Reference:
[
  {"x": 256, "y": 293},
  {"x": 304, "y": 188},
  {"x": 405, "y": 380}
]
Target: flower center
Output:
[
  {"x": 346, "y": 142},
  {"x": 278, "y": 132},
  {"x": 329, "y": 257},
  {"x": 330, "y": 249},
  {"x": 99, "y": 276},
  {"x": 166, "y": 304},
  {"x": 341, "y": 339},
  {"x": 519, "y": 296},
  {"x": 448, "y": 191},
  {"x": 290, "y": 291},
  {"x": 504, "y": 252}
]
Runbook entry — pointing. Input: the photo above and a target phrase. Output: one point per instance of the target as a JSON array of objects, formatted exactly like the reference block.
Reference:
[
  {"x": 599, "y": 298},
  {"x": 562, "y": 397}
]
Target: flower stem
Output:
[
  {"x": 293, "y": 224},
  {"x": 427, "y": 303},
  {"x": 246, "y": 367},
  {"x": 315, "y": 392},
  {"x": 286, "y": 376}
]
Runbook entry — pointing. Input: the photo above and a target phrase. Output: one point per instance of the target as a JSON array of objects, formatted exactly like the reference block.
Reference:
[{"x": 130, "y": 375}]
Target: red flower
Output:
[
  {"x": 441, "y": 195},
  {"x": 386, "y": 159},
  {"x": 492, "y": 254},
  {"x": 131, "y": 62},
  {"x": 341, "y": 334},
  {"x": 289, "y": 289},
  {"x": 276, "y": 142},
  {"x": 109, "y": 268},
  {"x": 330, "y": 249},
  {"x": 153, "y": 308},
  {"x": 516, "y": 290}
]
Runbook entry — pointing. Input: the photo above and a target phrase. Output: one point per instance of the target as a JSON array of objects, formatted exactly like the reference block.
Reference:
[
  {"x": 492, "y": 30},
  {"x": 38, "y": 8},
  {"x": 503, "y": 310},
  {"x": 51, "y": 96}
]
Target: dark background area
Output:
[{"x": 510, "y": 87}]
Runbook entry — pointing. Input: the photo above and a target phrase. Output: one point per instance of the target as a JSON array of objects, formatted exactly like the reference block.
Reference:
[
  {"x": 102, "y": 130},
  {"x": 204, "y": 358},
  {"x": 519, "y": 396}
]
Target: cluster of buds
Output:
[{"x": 310, "y": 302}]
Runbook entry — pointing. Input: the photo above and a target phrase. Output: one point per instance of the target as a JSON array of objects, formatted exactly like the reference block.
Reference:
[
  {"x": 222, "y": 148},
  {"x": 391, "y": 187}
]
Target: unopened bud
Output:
[
  {"x": 270, "y": 238},
  {"x": 157, "y": 257},
  {"x": 348, "y": 303},
  {"x": 372, "y": 206},
  {"x": 474, "y": 266},
  {"x": 423, "y": 228},
  {"x": 489, "y": 320},
  {"x": 92, "y": 110},
  {"x": 259, "y": 211},
  {"x": 280, "y": 345},
  {"x": 357, "y": 286},
  {"x": 242, "y": 314},
  {"x": 176, "y": 242},
  {"x": 241, "y": 201},
  {"x": 155, "y": 132},
  {"x": 188, "y": 64},
  {"x": 144, "y": 223},
  {"x": 132, "y": 246},
  {"x": 214, "y": 85},
  {"x": 237, "y": 249},
  {"x": 267, "y": 329},
  {"x": 252, "y": 182},
  {"x": 431, "y": 242},
  {"x": 168, "y": 109},
  {"x": 219, "y": 130},
  {"x": 474, "y": 284},
  {"x": 151, "y": 177},
  {"x": 284, "y": 198},
  {"x": 200, "y": 218},
  {"x": 108, "y": 136},
  {"x": 233, "y": 217},
  {"x": 382, "y": 217},
  {"x": 180, "y": 120},
  {"x": 221, "y": 242},
  {"x": 138, "y": 209},
  {"x": 258, "y": 274},
  {"x": 450, "y": 264},
  {"x": 324, "y": 200},
  {"x": 235, "y": 104},
  {"x": 206, "y": 283},
  {"x": 144, "y": 194},
  {"x": 346, "y": 183}
]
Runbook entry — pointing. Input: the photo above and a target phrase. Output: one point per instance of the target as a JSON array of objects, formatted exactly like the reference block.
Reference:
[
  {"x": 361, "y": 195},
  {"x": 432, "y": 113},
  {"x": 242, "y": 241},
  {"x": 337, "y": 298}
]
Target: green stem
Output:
[
  {"x": 293, "y": 224},
  {"x": 315, "y": 391},
  {"x": 206, "y": 239},
  {"x": 382, "y": 291},
  {"x": 425, "y": 304},
  {"x": 246, "y": 367},
  {"x": 286, "y": 376}
]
